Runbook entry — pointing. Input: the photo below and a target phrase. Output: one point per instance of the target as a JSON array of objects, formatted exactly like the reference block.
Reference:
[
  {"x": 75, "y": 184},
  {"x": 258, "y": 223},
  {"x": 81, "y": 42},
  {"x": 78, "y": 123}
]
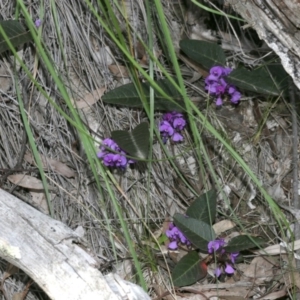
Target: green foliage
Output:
[
  {"x": 196, "y": 227},
  {"x": 258, "y": 81},
  {"x": 127, "y": 95},
  {"x": 16, "y": 34},
  {"x": 188, "y": 270},
  {"x": 198, "y": 232},
  {"x": 243, "y": 242},
  {"x": 204, "y": 207},
  {"x": 205, "y": 53},
  {"x": 136, "y": 142}
]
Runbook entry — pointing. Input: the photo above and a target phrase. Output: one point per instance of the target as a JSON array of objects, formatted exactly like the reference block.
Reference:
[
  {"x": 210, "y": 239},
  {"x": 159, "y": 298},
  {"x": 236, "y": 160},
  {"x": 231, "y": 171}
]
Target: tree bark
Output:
[
  {"x": 277, "y": 22},
  {"x": 52, "y": 255}
]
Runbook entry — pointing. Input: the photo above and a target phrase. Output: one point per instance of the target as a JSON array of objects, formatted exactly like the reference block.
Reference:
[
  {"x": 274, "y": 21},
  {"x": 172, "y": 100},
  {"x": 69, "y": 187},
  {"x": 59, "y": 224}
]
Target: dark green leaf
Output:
[
  {"x": 136, "y": 142},
  {"x": 243, "y": 242},
  {"x": 258, "y": 81},
  {"x": 16, "y": 34},
  {"x": 280, "y": 76},
  {"x": 188, "y": 270},
  {"x": 206, "y": 53},
  {"x": 127, "y": 95},
  {"x": 204, "y": 207},
  {"x": 199, "y": 233}
]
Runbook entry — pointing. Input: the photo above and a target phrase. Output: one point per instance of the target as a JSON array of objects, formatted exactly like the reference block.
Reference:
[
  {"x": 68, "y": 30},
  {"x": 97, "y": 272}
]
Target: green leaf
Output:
[
  {"x": 136, "y": 142},
  {"x": 198, "y": 232},
  {"x": 243, "y": 242},
  {"x": 206, "y": 53},
  {"x": 280, "y": 76},
  {"x": 127, "y": 95},
  {"x": 188, "y": 270},
  {"x": 16, "y": 34},
  {"x": 258, "y": 81},
  {"x": 204, "y": 207}
]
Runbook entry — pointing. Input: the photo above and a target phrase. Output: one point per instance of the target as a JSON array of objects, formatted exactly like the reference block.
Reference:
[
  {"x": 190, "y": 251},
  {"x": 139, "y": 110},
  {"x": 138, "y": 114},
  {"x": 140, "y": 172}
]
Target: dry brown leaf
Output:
[
  {"x": 279, "y": 248},
  {"x": 39, "y": 200},
  {"x": 118, "y": 71},
  {"x": 223, "y": 226},
  {"x": 26, "y": 181},
  {"x": 260, "y": 270},
  {"x": 290, "y": 277},
  {"x": 18, "y": 296},
  {"x": 53, "y": 164},
  {"x": 89, "y": 99},
  {"x": 275, "y": 295}
]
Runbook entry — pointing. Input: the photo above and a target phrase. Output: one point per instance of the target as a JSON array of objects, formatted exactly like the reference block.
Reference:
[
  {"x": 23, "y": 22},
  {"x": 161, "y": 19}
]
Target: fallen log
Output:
[
  {"x": 50, "y": 253},
  {"x": 277, "y": 23}
]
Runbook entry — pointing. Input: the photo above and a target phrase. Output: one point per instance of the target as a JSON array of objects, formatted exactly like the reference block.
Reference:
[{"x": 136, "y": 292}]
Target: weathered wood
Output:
[
  {"x": 277, "y": 23},
  {"x": 44, "y": 248}
]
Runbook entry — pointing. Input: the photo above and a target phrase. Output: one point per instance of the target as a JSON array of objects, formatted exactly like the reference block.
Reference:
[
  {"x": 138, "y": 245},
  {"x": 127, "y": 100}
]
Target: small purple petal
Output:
[
  {"x": 215, "y": 245},
  {"x": 38, "y": 23},
  {"x": 179, "y": 123},
  {"x": 226, "y": 71},
  {"x": 229, "y": 269},
  {"x": 231, "y": 89},
  {"x": 218, "y": 272},
  {"x": 177, "y": 137},
  {"x": 166, "y": 128},
  {"x": 216, "y": 72},
  {"x": 108, "y": 160},
  {"x": 182, "y": 238},
  {"x": 173, "y": 245},
  {"x": 235, "y": 97},
  {"x": 120, "y": 160},
  {"x": 219, "y": 101},
  {"x": 101, "y": 154},
  {"x": 168, "y": 117},
  {"x": 233, "y": 256}
]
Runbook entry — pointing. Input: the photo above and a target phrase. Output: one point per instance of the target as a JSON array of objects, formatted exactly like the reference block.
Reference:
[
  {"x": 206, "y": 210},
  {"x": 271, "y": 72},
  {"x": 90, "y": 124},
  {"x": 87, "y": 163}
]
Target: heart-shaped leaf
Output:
[
  {"x": 206, "y": 53},
  {"x": 136, "y": 142},
  {"x": 189, "y": 270},
  {"x": 258, "y": 81},
  {"x": 127, "y": 95},
  {"x": 198, "y": 232},
  {"x": 16, "y": 34},
  {"x": 204, "y": 207},
  {"x": 243, "y": 242}
]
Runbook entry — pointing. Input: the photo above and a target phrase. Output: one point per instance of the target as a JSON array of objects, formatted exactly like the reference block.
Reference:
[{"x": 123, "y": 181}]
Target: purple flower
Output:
[
  {"x": 217, "y": 86},
  {"x": 171, "y": 126},
  {"x": 176, "y": 236},
  {"x": 219, "y": 101},
  {"x": 229, "y": 269},
  {"x": 109, "y": 156},
  {"x": 108, "y": 160},
  {"x": 215, "y": 245},
  {"x": 218, "y": 272},
  {"x": 37, "y": 23},
  {"x": 120, "y": 160},
  {"x": 179, "y": 123},
  {"x": 225, "y": 260},
  {"x": 166, "y": 128},
  {"x": 233, "y": 256},
  {"x": 216, "y": 72}
]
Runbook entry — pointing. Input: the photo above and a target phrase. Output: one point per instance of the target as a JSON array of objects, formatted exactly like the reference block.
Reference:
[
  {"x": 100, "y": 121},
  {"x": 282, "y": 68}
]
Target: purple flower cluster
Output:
[
  {"x": 227, "y": 259},
  {"x": 176, "y": 236},
  {"x": 112, "y": 155},
  {"x": 171, "y": 126},
  {"x": 216, "y": 85},
  {"x": 37, "y": 23}
]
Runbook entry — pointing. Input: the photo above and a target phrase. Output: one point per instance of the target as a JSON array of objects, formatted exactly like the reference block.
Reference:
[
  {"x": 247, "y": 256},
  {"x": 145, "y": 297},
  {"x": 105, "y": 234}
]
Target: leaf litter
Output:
[{"x": 89, "y": 75}]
